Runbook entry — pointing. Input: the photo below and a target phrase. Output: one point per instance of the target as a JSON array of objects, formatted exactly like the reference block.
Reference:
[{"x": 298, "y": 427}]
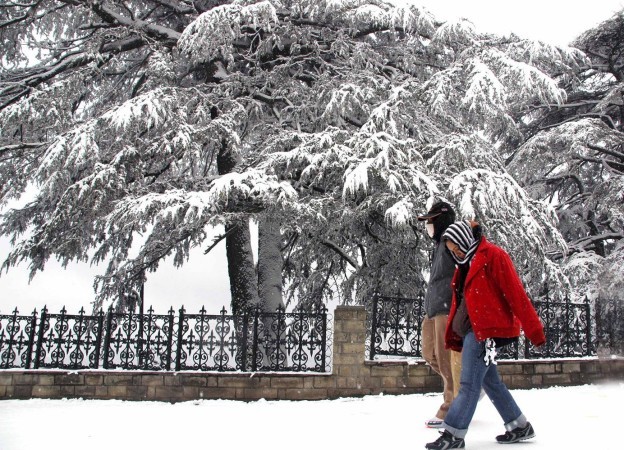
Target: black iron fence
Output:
[
  {"x": 255, "y": 341},
  {"x": 396, "y": 325}
]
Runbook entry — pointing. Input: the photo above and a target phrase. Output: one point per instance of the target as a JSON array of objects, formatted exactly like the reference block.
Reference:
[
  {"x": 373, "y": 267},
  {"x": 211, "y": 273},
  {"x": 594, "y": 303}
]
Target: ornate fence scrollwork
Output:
[
  {"x": 253, "y": 341},
  {"x": 17, "y": 337},
  {"x": 396, "y": 327}
]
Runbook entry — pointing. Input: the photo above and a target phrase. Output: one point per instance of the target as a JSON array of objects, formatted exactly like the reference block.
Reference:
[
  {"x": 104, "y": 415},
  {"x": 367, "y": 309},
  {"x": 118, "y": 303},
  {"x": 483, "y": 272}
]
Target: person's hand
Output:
[{"x": 539, "y": 339}]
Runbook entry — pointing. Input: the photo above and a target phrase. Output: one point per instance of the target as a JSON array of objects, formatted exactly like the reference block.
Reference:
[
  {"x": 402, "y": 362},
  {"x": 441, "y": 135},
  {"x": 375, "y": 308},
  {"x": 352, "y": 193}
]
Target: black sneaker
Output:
[
  {"x": 445, "y": 441},
  {"x": 516, "y": 435}
]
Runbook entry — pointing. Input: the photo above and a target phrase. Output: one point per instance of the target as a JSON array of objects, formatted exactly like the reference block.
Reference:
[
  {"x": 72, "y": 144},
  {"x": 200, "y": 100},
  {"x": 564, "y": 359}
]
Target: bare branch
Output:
[{"x": 335, "y": 247}]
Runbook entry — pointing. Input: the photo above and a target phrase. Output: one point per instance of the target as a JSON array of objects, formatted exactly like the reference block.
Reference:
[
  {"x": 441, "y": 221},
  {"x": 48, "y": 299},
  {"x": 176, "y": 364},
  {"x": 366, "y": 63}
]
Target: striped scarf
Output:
[{"x": 461, "y": 234}]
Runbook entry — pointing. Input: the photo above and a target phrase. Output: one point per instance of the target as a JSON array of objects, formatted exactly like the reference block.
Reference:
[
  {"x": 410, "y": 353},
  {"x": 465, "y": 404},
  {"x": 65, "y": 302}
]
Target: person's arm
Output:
[{"x": 511, "y": 288}]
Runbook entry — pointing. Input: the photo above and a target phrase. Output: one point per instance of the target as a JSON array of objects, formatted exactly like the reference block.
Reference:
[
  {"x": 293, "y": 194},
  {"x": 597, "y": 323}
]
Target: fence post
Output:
[
  {"x": 588, "y": 330},
  {"x": 42, "y": 325},
  {"x": 169, "y": 340},
  {"x": 31, "y": 338},
  {"x": 373, "y": 329},
  {"x": 547, "y": 327},
  {"x": 13, "y": 327},
  {"x": 107, "y": 336},
  {"x": 244, "y": 346},
  {"x": 98, "y": 339},
  {"x": 324, "y": 338},
  {"x": 140, "y": 337},
  {"x": 180, "y": 336},
  {"x": 254, "y": 350}
]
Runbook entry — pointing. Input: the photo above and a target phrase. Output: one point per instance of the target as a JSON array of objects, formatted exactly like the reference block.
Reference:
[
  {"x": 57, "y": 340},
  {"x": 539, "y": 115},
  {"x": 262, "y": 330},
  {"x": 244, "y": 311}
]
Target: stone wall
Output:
[{"x": 352, "y": 375}]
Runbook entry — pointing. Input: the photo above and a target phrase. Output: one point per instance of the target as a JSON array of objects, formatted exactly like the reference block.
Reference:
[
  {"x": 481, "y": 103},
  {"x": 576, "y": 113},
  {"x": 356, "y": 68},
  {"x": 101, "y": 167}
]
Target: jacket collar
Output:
[{"x": 479, "y": 260}]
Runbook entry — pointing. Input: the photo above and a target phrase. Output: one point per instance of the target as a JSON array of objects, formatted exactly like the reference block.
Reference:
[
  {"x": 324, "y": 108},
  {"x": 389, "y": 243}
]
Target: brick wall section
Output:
[{"x": 352, "y": 375}]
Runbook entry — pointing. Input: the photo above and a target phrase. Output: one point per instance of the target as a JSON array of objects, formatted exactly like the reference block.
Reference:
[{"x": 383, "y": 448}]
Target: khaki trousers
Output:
[{"x": 440, "y": 359}]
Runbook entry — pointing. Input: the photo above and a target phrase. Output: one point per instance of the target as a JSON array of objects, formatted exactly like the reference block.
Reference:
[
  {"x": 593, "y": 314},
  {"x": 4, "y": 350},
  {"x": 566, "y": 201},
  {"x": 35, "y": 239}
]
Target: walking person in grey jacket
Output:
[{"x": 438, "y": 299}]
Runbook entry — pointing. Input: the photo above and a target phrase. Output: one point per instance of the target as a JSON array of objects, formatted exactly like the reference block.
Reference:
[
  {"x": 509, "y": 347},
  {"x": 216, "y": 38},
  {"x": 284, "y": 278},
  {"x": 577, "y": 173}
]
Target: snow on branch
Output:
[
  {"x": 212, "y": 34},
  {"x": 151, "y": 109},
  {"x": 453, "y": 32},
  {"x": 523, "y": 227}
]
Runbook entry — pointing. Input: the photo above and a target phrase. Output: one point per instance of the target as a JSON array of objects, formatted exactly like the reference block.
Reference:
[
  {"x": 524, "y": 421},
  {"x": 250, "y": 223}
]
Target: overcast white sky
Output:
[{"x": 204, "y": 280}]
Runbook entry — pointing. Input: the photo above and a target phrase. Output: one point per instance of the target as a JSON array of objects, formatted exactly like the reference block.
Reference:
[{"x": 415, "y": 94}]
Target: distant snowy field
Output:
[{"x": 583, "y": 417}]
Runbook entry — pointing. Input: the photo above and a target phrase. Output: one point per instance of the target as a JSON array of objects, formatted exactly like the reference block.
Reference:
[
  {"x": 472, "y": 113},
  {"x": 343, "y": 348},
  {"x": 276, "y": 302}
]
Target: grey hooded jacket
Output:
[{"x": 439, "y": 292}]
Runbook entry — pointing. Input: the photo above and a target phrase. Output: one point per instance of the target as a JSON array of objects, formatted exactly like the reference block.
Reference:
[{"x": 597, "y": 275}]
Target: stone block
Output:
[
  {"x": 68, "y": 390},
  {"x": 235, "y": 382},
  {"x": 85, "y": 391},
  {"x": 118, "y": 380},
  {"x": 24, "y": 391},
  {"x": 303, "y": 394},
  {"x": 45, "y": 392},
  {"x": 118, "y": 391},
  {"x": 152, "y": 380},
  {"x": 433, "y": 381},
  {"x": 101, "y": 392},
  {"x": 170, "y": 393},
  {"x": 571, "y": 367},
  {"x": 69, "y": 379},
  {"x": 509, "y": 368},
  {"x": 349, "y": 312},
  {"x": 418, "y": 370},
  {"x": 187, "y": 380},
  {"x": 544, "y": 368},
  {"x": 23, "y": 379},
  {"x": 415, "y": 382},
  {"x": 347, "y": 392},
  {"x": 352, "y": 349},
  {"x": 349, "y": 371},
  {"x": 324, "y": 382},
  {"x": 389, "y": 382},
  {"x": 93, "y": 380},
  {"x": 6, "y": 379},
  {"x": 558, "y": 379},
  {"x": 137, "y": 392},
  {"x": 258, "y": 393},
  {"x": 223, "y": 393},
  {"x": 287, "y": 382},
  {"x": 350, "y": 360},
  {"x": 46, "y": 380},
  {"x": 590, "y": 367},
  {"x": 388, "y": 371},
  {"x": 191, "y": 392}
]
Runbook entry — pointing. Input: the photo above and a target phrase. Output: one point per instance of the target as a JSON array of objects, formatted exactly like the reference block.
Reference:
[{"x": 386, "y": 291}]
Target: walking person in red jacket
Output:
[{"x": 489, "y": 305}]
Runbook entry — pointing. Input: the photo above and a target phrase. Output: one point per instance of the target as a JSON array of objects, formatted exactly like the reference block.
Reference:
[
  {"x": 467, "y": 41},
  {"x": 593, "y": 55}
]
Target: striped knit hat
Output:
[{"x": 461, "y": 234}]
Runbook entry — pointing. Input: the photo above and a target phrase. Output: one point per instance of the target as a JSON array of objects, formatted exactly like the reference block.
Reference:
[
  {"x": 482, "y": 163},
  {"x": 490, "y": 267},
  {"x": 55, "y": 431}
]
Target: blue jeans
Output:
[{"x": 474, "y": 376}]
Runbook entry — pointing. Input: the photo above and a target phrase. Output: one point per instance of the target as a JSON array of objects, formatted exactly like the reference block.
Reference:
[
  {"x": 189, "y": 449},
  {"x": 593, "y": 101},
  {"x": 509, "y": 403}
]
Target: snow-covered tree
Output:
[
  {"x": 574, "y": 159},
  {"x": 330, "y": 123}
]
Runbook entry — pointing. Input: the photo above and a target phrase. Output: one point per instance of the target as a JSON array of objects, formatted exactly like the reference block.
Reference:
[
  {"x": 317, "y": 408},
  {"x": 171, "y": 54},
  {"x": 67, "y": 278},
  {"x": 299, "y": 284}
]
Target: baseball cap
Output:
[{"x": 437, "y": 209}]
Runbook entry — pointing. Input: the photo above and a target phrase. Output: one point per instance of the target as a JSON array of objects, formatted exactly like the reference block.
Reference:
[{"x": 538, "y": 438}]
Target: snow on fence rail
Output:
[
  {"x": 254, "y": 341},
  {"x": 396, "y": 329}
]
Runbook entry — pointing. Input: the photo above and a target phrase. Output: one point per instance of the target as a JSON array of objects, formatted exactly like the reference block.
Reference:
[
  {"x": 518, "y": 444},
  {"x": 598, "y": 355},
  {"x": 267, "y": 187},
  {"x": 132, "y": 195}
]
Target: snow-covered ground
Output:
[{"x": 583, "y": 417}]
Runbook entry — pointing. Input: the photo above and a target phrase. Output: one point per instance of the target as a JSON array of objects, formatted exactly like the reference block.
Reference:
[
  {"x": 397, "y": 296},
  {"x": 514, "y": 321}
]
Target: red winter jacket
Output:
[{"x": 496, "y": 301}]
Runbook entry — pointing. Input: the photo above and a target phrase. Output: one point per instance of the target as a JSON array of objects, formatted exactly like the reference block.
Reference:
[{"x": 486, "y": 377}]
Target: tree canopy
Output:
[{"x": 331, "y": 123}]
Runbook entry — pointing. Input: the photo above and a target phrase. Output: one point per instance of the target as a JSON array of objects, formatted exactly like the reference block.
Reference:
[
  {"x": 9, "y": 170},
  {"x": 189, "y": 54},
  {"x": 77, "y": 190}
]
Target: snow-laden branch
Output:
[{"x": 343, "y": 254}]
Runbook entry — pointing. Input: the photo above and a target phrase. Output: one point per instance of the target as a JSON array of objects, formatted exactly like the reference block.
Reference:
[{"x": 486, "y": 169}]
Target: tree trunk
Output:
[
  {"x": 270, "y": 264},
  {"x": 241, "y": 268}
]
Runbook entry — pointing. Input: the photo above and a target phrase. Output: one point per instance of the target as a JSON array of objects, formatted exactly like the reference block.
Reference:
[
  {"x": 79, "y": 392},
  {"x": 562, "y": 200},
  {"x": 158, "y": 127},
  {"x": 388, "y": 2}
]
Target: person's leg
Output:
[
  {"x": 473, "y": 370},
  {"x": 502, "y": 399},
  {"x": 443, "y": 357},
  {"x": 427, "y": 340},
  {"x": 456, "y": 371}
]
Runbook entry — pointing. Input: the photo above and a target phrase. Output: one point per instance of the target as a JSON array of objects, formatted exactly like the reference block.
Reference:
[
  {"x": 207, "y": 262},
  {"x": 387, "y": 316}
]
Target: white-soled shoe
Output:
[{"x": 434, "y": 423}]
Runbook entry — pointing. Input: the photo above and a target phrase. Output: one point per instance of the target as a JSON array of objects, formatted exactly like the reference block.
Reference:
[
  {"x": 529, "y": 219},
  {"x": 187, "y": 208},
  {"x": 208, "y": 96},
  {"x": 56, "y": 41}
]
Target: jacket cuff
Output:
[{"x": 537, "y": 337}]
